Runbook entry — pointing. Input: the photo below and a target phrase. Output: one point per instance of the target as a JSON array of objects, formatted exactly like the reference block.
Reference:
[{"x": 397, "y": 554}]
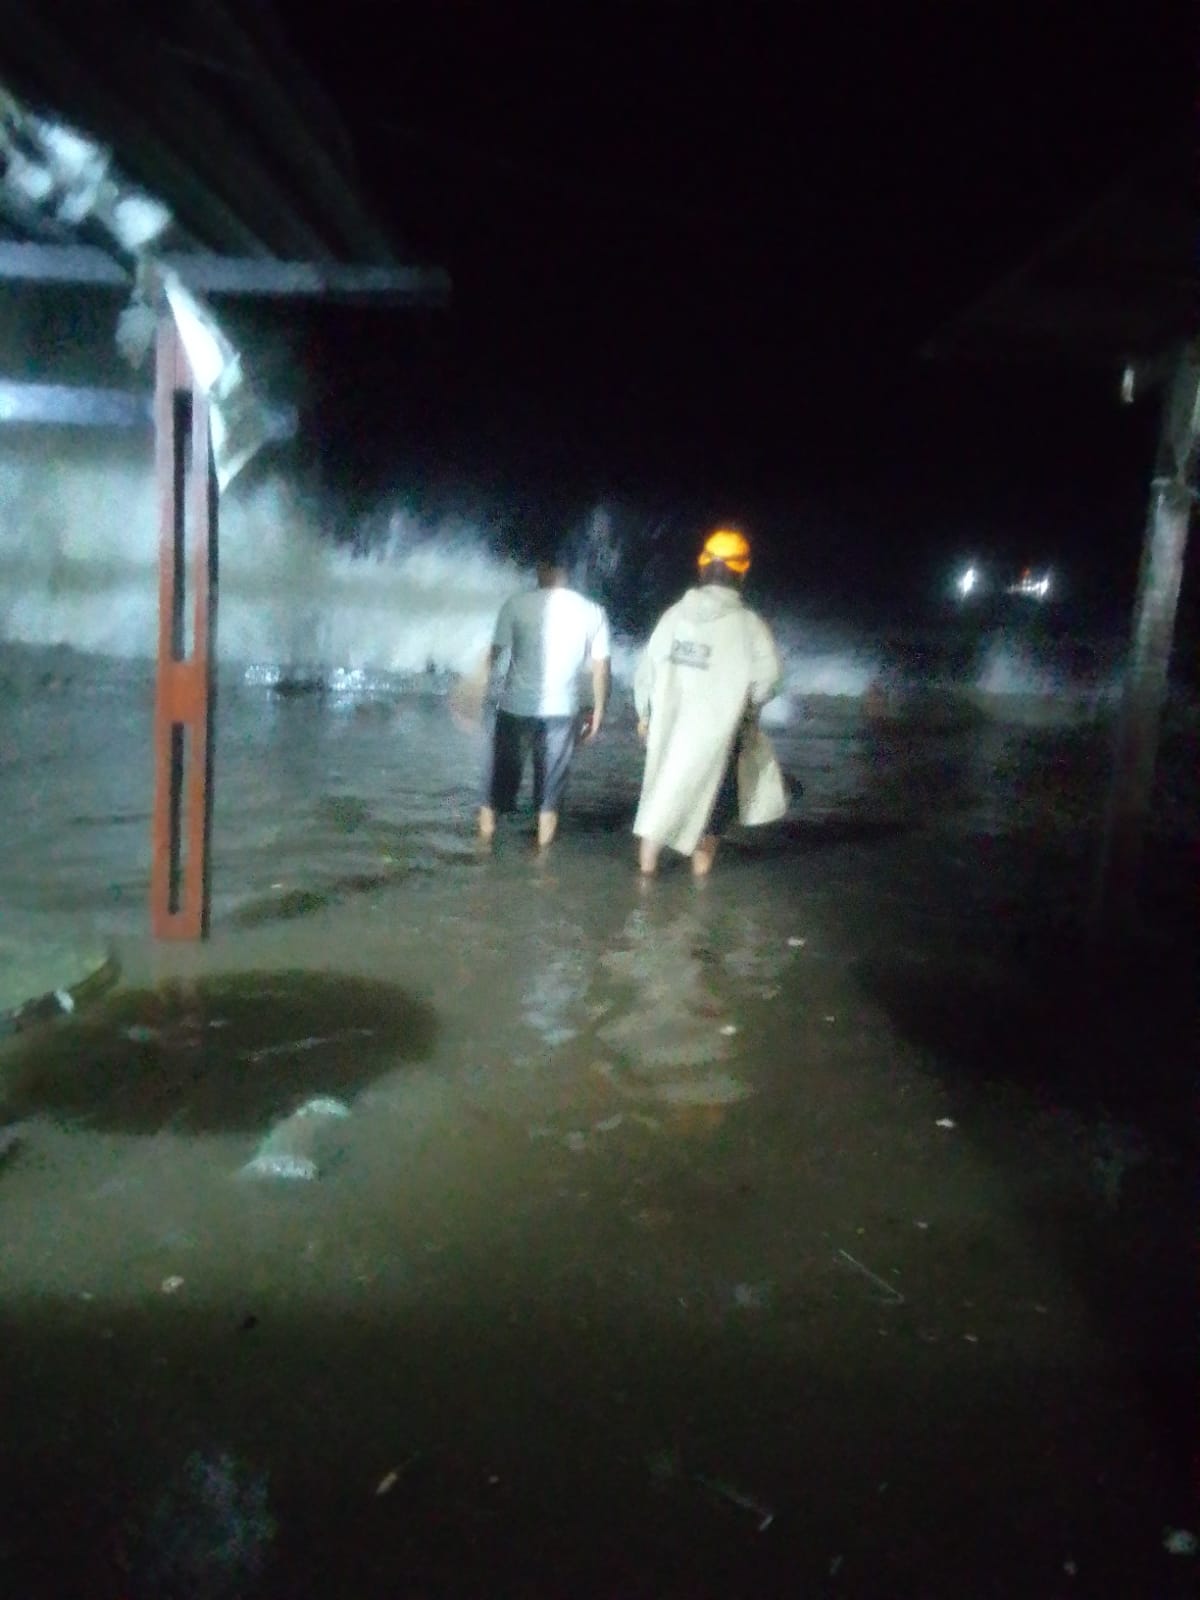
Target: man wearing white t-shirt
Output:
[{"x": 547, "y": 635}]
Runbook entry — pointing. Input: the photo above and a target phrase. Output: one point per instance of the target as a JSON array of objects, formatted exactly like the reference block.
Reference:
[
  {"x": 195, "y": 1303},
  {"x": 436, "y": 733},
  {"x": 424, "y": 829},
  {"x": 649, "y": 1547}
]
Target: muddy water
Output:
[{"x": 798, "y": 1233}]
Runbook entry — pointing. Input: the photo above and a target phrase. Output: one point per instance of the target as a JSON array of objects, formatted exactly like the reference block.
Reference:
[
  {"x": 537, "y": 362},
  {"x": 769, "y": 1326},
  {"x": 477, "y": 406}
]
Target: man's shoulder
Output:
[{"x": 583, "y": 606}]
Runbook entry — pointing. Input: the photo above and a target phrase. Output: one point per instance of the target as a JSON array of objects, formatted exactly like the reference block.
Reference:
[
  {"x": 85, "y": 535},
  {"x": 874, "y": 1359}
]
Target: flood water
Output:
[{"x": 822, "y": 1229}]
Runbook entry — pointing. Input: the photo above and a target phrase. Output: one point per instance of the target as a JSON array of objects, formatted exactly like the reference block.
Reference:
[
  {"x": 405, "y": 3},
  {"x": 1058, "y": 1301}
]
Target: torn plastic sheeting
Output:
[
  {"x": 239, "y": 422},
  {"x": 60, "y": 171}
]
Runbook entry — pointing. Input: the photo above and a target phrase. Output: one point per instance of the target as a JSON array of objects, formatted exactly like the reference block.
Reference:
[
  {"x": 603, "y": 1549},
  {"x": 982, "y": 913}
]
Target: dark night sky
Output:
[{"x": 696, "y": 251}]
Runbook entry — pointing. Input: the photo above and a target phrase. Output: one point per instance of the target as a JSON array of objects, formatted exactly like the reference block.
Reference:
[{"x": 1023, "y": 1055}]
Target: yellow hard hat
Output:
[{"x": 729, "y": 547}]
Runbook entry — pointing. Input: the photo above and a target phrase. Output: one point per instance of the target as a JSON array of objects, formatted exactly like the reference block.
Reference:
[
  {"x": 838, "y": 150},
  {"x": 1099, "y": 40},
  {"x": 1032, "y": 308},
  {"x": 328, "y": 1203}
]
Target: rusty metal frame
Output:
[{"x": 183, "y": 708}]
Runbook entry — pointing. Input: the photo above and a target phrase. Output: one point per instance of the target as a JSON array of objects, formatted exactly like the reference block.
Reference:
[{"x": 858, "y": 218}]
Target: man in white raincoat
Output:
[{"x": 709, "y": 667}]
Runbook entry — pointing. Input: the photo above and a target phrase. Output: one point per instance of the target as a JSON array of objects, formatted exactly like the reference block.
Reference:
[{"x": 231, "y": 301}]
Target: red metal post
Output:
[{"x": 187, "y": 567}]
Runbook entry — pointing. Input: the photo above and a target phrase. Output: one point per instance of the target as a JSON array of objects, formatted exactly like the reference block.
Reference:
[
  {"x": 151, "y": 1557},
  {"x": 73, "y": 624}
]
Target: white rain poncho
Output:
[{"x": 708, "y": 664}]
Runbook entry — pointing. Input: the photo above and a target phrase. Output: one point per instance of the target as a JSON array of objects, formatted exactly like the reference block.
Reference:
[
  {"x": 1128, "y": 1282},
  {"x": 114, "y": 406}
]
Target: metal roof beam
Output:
[
  {"x": 214, "y": 274},
  {"x": 79, "y": 406}
]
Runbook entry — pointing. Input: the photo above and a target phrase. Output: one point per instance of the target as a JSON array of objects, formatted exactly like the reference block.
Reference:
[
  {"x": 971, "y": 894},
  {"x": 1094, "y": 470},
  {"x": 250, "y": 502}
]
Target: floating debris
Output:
[
  {"x": 291, "y": 1149},
  {"x": 738, "y": 1497},
  {"x": 880, "y": 1283},
  {"x": 172, "y": 1285},
  {"x": 390, "y": 1479},
  {"x": 946, "y": 1122}
]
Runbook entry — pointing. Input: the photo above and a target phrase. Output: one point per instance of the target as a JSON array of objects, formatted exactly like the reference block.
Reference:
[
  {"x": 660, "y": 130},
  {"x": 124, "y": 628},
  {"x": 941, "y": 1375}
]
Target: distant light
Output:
[
  {"x": 1032, "y": 588},
  {"x": 968, "y": 581}
]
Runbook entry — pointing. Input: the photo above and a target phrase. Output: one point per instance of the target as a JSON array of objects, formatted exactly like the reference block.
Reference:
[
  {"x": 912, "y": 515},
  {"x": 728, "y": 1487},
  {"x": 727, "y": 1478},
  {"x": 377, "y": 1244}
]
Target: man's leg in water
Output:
[
  {"x": 553, "y": 748},
  {"x": 504, "y": 773},
  {"x": 704, "y": 855},
  {"x": 724, "y": 812},
  {"x": 648, "y": 853}
]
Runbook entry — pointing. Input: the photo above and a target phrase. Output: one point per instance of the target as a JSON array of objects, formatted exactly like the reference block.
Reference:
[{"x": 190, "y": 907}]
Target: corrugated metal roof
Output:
[
  {"x": 208, "y": 109},
  {"x": 1117, "y": 286}
]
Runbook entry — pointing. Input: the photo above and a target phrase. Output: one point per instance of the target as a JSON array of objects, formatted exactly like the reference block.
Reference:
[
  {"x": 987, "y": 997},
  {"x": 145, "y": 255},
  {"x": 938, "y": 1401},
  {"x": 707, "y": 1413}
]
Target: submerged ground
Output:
[{"x": 823, "y": 1230}]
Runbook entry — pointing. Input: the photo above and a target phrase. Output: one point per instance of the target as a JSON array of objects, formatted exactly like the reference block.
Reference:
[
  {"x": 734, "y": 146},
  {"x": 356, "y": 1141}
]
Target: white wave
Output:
[{"x": 78, "y": 567}]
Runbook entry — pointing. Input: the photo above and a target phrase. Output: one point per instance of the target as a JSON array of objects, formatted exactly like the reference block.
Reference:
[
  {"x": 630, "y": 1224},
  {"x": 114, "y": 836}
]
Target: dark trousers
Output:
[{"x": 552, "y": 743}]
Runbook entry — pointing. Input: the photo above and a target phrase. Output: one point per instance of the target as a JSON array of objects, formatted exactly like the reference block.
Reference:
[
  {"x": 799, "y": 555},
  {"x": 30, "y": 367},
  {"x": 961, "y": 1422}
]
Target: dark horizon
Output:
[{"x": 695, "y": 267}]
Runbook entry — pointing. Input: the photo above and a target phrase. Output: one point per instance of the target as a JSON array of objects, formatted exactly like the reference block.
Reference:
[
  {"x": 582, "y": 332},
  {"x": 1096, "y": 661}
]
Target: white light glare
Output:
[
  {"x": 968, "y": 581},
  {"x": 1031, "y": 587}
]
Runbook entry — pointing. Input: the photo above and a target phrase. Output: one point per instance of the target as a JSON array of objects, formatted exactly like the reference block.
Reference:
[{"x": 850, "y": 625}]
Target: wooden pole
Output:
[
  {"x": 1145, "y": 690},
  {"x": 187, "y": 555}
]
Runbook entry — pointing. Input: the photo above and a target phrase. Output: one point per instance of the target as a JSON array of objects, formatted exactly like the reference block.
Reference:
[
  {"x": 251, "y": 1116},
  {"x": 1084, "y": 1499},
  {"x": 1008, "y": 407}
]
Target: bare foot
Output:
[
  {"x": 547, "y": 827},
  {"x": 704, "y": 855}
]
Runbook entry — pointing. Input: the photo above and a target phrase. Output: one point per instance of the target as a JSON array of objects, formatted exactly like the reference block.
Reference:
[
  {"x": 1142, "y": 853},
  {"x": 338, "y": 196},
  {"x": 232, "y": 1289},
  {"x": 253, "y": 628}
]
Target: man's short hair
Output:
[{"x": 551, "y": 555}]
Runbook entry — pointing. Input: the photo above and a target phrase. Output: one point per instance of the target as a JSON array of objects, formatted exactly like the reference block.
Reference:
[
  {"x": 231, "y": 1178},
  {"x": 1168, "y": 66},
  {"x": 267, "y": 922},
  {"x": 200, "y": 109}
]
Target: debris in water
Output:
[
  {"x": 609, "y": 1123},
  {"x": 946, "y": 1122},
  {"x": 290, "y": 1150},
  {"x": 729, "y": 1029},
  {"x": 874, "y": 1277},
  {"x": 172, "y": 1284},
  {"x": 390, "y": 1479},
  {"x": 795, "y": 943},
  {"x": 736, "y": 1497},
  {"x": 576, "y": 1142},
  {"x": 139, "y": 1034},
  {"x": 1179, "y": 1542},
  {"x": 65, "y": 1001}
]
